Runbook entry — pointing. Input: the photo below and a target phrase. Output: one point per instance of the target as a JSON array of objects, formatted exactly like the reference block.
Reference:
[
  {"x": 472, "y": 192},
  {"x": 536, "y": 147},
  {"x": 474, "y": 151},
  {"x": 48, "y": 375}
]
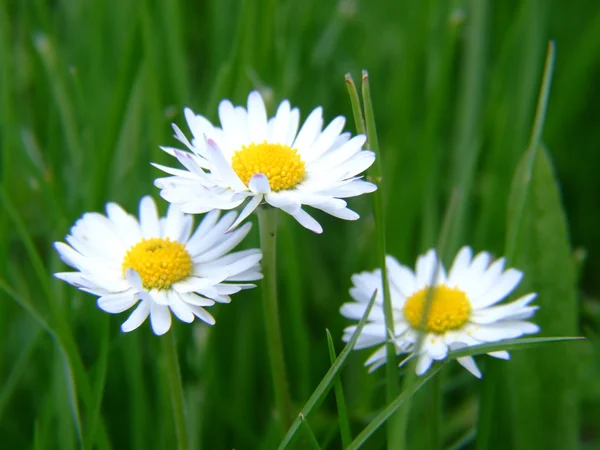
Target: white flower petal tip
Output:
[
  {"x": 251, "y": 155},
  {"x": 465, "y": 308},
  {"x": 121, "y": 260}
]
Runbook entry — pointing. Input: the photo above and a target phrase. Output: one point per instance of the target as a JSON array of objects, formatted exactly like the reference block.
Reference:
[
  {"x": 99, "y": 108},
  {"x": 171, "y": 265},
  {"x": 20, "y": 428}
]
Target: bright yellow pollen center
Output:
[
  {"x": 280, "y": 163},
  {"x": 450, "y": 309},
  {"x": 160, "y": 262}
]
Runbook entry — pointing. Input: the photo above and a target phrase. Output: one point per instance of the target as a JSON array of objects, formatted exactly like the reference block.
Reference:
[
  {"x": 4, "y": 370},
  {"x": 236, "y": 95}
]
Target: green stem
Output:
[
  {"x": 394, "y": 432},
  {"x": 176, "y": 390},
  {"x": 267, "y": 222}
]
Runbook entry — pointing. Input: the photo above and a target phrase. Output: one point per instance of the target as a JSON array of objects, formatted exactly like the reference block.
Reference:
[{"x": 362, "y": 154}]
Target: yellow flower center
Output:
[
  {"x": 449, "y": 309},
  {"x": 160, "y": 262},
  {"x": 280, "y": 163}
]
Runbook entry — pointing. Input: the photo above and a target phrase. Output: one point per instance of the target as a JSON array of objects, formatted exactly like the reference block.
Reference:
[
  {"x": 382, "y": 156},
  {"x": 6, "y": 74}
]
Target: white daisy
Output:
[
  {"x": 461, "y": 313},
  {"x": 158, "y": 262},
  {"x": 252, "y": 158}
]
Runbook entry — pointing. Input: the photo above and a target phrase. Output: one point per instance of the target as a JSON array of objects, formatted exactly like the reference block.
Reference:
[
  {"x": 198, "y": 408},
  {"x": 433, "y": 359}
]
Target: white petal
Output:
[
  {"x": 518, "y": 308},
  {"x": 281, "y": 123},
  {"x": 310, "y": 130},
  {"x": 193, "y": 299},
  {"x": 134, "y": 279},
  {"x": 500, "y": 355},
  {"x": 149, "y": 218},
  {"x": 232, "y": 128},
  {"x": 199, "y": 243},
  {"x": 75, "y": 279},
  {"x": 248, "y": 209},
  {"x": 339, "y": 155},
  {"x": 117, "y": 303},
  {"x": 505, "y": 285},
  {"x": 423, "y": 363},
  {"x": 179, "y": 308},
  {"x": 357, "y": 310},
  {"x": 509, "y": 329},
  {"x": 401, "y": 276},
  {"x": 160, "y": 318},
  {"x": 436, "y": 347},
  {"x": 137, "y": 317},
  {"x": 469, "y": 363},
  {"x": 206, "y": 224},
  {"x": 223, "y": 167},
  {"x": 284, "y": 201},
  {"x": 425, "y": 269},
  {"x": 377, "y": 356},
  {"x": 259, "y": 184},
  {"x": 159, "y": 296},
  {"x": 460, "y": 263},
  {"x": 202, "y": 314},
  {"x": 293, "y": 122},
  {"x": 182, "y": 312},
  {"x": 128, "y": 227},
  {"x": 478, "y": 285},
  {"x": 174, "y": 223},
  {"x": 307, "y": 221},
  {"x": 231, "y": 240},
  {"x": 257, "y": 118},
  {"x": 325, "y": 140}
]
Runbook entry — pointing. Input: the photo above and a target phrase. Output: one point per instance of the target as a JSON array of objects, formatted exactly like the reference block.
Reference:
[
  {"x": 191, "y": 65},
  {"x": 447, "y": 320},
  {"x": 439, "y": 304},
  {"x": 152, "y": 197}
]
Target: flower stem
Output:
[
  {"x": 176, "y": 389},
  {"x": 267, "y": 222}
]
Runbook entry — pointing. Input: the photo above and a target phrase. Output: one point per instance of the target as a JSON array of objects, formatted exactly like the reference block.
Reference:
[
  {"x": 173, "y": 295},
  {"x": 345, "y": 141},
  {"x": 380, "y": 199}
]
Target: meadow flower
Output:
[
  {"x": 251, "y": 159},
  {"x": 158, "y": 262},
  {"x": 463, "y": 308}
]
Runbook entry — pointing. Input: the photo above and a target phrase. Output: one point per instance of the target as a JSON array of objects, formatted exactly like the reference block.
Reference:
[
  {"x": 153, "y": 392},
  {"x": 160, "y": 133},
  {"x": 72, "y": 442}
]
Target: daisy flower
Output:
[
  {"x": 157, "y": 263},
  {"x": 250, "y": 159},
  {"x": 463, "y": 311}
]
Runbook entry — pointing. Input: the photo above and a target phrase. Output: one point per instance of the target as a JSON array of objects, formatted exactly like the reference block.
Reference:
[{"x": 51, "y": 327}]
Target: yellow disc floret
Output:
[
  {"x": 280, "y": 163},
  {"x": 449, "y": 309},
  {"x": 160, "y": 262}
]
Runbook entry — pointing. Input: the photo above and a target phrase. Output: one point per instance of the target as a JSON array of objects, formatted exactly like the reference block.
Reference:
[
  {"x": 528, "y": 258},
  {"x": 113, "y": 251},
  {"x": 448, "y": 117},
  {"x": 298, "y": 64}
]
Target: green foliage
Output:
[{"x": 88, "y": 91}]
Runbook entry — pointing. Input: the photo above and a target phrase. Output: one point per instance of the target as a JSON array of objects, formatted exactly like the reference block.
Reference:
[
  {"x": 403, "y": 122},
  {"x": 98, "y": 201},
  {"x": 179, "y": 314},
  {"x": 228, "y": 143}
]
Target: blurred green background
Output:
[{"x": 88, "y": 90}]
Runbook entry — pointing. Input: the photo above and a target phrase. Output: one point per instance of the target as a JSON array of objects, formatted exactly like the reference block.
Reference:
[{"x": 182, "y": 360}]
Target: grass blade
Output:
[
  {"x": 311, "y": 436},
  {"x": 327, "y": 381},
  {"x": 541, "y": 249},
  {"x": 509, "y": 345},
  {"x": 340, "y": 400},
  {"x": 391, "y": 409}
]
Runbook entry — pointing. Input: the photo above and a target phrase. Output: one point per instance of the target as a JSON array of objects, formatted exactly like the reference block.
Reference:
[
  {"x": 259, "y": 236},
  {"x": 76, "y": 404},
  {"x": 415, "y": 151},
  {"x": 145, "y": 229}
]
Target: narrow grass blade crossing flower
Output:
[
  {"x": 158, "y": 263},
  {"x": 463, "y": 310},
  {"x": 252, "y": 159}
]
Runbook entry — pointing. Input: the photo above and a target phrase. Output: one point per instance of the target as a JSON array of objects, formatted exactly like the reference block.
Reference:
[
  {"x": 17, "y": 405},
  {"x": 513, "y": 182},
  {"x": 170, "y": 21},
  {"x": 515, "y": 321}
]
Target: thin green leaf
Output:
[
  {"x": 98, "y": 390},
  {"x": 18, "y": 369},
  {"x": 391, "y": 409},
  {"x": 540, "y": 248},
  {"x": 327, "y": 381},
  {"x": 339, "y": 398},
  {"x": 311, "y": 436},
  {"x": 359, "y": 122},
  {"x": 522, "y": 178},
  {"x": 392, "y": 385},
  {"x": 509, "y": 345}
]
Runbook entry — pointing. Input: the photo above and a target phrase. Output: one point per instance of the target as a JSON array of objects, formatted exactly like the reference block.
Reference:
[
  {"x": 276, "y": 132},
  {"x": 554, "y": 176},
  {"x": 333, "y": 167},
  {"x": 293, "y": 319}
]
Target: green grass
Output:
[{"x": 88, "y": 91}]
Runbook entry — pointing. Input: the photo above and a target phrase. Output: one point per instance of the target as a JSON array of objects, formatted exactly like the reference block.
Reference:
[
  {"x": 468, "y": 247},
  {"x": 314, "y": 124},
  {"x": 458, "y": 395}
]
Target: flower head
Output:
[
  {"x": 251, "y": 158},
  {"x": 462, "y": 308},
  {"x": 158, "y": 262}
]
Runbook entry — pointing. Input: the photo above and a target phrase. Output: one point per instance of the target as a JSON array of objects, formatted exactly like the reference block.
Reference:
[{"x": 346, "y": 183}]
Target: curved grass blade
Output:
[
  {"x": 509, "y": 345},
  {"x": 340, "y": 400},
  {"x": 389, "y": 410},
  {"x": 327, "y": 381},
  {"x": 311, "y": 436}
]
